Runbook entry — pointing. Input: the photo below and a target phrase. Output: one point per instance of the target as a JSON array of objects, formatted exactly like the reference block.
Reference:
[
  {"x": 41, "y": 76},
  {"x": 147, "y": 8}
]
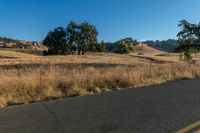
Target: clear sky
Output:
[{"x": 114, "y": 19}]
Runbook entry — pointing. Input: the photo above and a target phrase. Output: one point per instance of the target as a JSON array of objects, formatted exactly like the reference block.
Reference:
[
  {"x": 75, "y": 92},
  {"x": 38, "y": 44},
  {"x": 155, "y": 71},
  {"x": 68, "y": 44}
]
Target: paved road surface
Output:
[{"x": 162, "y": 108}]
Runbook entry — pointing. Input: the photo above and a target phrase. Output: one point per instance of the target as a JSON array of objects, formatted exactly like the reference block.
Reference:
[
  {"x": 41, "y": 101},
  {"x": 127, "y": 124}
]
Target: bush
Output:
[
  {"x": 123, "y": 48},
  {"x": 100, "y": 47}
]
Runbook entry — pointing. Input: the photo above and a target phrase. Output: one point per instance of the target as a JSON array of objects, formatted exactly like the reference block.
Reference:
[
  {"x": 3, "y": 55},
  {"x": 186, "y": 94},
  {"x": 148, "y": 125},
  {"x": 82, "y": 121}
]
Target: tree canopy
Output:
[
  {"x": 56, "y": 42},
  {"x": 125, "y": 46},
  {"x": 79, "y": 38},
  {"x": 189, "y": 37}
]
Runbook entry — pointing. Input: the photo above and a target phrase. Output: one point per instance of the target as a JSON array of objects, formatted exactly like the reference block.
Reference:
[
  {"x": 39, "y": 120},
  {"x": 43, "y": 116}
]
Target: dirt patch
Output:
[
  {"x": 6, "y": 57},
  {"x": 153, "y": 60}
]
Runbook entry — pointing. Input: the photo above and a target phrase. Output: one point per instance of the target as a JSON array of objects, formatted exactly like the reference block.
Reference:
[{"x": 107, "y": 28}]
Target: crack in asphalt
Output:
[{"x": 60, "y": 124}]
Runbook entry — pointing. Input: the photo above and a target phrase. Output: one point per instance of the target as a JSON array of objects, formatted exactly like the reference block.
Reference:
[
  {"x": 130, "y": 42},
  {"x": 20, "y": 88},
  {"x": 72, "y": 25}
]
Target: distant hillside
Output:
[
  {"x": 145, "y": 49},
  {"x": 8, "y": 40},
  {"x": 165, "y": 45},
  {"x": 19, "y": 44}
]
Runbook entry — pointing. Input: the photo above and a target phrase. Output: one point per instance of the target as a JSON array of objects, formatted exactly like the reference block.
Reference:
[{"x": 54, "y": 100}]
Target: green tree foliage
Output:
[
  {"x": 129, "y": 41},
  {"x": 56, "y": 41},
  {"x": 73, "y": 33},
  {"x": 125, "y": 46},
  {"x": 188, "y": 38},
  {"x": 88, "y": 38},
  {"x": 100, "y": 47},
  {"x": 81, "y": 38}
]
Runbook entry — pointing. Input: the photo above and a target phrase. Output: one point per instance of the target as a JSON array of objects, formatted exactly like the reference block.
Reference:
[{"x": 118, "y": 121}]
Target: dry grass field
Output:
[{"x": 29, "y": 78}]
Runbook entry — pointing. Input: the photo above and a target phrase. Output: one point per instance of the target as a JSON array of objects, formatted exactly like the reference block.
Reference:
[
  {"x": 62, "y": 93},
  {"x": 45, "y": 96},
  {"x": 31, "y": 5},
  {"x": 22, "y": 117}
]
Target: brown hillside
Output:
[{"x": 144, "y": 49}]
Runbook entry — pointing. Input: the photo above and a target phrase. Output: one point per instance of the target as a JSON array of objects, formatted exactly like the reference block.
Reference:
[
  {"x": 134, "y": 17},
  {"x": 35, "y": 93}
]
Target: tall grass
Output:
[{"x": 50, "y": 81}]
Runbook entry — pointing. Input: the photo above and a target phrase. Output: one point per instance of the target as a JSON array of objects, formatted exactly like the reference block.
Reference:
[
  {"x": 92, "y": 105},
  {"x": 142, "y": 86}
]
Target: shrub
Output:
[{"x": 123, "y": 48}]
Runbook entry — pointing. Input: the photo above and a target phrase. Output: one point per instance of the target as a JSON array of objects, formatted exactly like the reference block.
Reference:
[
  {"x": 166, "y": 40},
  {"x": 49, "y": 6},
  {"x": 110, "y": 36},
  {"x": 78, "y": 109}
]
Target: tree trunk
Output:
[
  {"x": 83, "y": 52},
  {"x": 79, "y": 51}
]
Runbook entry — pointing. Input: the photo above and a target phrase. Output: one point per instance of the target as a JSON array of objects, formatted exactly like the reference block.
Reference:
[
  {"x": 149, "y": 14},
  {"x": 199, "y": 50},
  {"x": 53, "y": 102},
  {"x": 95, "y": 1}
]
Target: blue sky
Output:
[{"x": 114, "y": 19}]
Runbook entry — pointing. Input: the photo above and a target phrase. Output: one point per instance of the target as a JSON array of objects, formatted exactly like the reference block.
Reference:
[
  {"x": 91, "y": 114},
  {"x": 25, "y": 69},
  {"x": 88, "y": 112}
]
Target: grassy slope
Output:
[{"x": 28, "y": 78}]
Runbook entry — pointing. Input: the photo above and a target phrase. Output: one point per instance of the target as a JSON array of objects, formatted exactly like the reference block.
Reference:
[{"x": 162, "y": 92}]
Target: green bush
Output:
[{"x": 123, "y": 47}]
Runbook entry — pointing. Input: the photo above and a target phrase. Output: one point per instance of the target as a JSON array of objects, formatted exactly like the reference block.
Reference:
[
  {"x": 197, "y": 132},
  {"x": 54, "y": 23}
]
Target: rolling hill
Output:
[{"x": 145, "y": 49}]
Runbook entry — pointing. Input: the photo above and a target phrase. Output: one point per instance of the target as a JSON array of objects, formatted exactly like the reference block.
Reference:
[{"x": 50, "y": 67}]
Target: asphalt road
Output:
[{"x": 162, "y": 108}]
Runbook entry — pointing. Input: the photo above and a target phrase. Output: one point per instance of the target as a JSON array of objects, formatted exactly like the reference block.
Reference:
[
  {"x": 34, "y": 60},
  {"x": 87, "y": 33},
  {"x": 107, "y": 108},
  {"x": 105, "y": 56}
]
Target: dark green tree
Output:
[
  {"x": 83, "y": 37},
  {"x": 188, "y": 38},
  {"x": 75, "y": 37},
  {"x": 73, "y": 33},
  {"x": 57, "y": 42},
  {"x": 88, "y": 38},
  {"x": 100, "y": 47}
]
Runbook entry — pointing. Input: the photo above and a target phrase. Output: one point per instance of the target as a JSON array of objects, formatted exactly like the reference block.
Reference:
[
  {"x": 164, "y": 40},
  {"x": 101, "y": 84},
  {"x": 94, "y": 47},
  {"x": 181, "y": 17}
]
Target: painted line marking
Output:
[{"x": 188, "y": 128}]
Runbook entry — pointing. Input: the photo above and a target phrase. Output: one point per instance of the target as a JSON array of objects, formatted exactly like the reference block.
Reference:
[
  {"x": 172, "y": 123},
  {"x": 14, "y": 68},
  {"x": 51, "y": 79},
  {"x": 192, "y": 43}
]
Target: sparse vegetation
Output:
[{"x": 28, "y": 78}]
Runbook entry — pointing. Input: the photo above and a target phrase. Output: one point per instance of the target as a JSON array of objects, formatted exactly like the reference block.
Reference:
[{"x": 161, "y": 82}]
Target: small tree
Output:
[
  {"x": 100, "y": 47},
  {"x": 125, "y": 46}
]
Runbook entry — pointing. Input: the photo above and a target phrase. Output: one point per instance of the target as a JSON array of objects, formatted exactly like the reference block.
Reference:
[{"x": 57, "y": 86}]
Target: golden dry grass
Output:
[{"x": 29, "y": 78}]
